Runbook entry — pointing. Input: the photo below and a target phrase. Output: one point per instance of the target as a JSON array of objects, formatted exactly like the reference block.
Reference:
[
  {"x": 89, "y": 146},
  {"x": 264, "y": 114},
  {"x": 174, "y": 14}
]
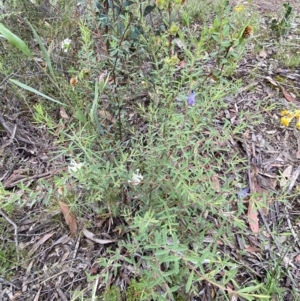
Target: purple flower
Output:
[
  {"x": 243, "y": 193},
  {"x": 191, "y": 98}
]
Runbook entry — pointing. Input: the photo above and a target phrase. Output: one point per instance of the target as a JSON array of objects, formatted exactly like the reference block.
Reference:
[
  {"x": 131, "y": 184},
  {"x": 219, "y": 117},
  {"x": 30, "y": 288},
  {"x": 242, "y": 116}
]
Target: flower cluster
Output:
[
  {"x": 74, "y": 166},
  {"x": 65, "y": 45},
  {"x": 136, "y": 179},
  {"x": 287, "y": 117}
]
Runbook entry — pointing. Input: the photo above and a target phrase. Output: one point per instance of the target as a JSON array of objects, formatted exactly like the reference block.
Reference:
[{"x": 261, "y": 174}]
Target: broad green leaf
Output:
[
  {"x": 80, "y": 116},
  {"x": 225, "y": 43},
  {"x": 14, "y": 40},
  {"x": 149, "y": 9},
  {"x": 44, "y": 51},
  {"x": 28, "y": 88}
]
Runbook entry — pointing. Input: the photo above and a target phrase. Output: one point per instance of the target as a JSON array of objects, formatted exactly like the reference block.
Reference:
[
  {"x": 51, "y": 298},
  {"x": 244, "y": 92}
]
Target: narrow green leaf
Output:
[
  {"x": 189, "y": 282},
  {"x": 161, "y": 252},
  {"x": 94, "y": 111},
  {"x": 44, "y": 51},
  {"x": 249, "y": 289},
  {"x": 174, "y": 288},
  {"x": 171, "y": 258},
  {"x": 14, "y": 40},
  {"x": 28, "y": 88}
]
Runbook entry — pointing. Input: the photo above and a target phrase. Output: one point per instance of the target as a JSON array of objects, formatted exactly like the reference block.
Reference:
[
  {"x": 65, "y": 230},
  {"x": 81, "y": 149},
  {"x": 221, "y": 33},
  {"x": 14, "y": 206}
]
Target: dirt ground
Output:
[{"x": 270, "y": 5}]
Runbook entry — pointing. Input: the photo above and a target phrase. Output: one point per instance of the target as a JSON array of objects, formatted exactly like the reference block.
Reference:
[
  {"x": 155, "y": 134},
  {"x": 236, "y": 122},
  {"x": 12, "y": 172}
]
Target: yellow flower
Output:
[
  {"x": 298, "y": 126},
  {"x": 284, "y": 112},
  {"x": 288, "y": 114},
  {"x": 285, "y": 121},
  {"x": 297, "y": 113},
  {"x": 239, "y": 8}
]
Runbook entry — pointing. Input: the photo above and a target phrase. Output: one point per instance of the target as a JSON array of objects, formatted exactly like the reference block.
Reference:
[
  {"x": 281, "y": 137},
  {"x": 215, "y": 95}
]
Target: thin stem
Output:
[{"x": 170, "y": 35}]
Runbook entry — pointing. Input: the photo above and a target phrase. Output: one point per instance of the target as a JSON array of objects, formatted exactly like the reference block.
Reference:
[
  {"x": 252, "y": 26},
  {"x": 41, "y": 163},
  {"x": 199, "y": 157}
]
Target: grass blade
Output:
[
  {"x": 14, "y": 40},
  {"x": 44, "y": 51},
  {"x": 28, "y": 88}
]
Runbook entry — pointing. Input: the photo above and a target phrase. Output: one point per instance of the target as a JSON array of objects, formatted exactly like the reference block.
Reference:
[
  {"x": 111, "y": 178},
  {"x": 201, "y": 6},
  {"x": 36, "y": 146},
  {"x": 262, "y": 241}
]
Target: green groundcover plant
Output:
[{"x": 149, "y": 146}]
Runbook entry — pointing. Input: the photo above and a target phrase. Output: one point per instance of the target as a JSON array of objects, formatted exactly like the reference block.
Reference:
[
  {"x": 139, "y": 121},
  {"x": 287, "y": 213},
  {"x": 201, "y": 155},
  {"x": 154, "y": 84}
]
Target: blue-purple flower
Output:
[
  {"x": 243, "y": 193},
  {"x": 191, "y": 98}
]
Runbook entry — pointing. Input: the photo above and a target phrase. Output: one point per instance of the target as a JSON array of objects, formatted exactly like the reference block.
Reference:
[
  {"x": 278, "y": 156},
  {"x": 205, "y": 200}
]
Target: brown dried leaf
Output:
[
  {"x": 37, "y": 296},
  {"x": 73, "y": 81},
  {"x": 63, "y": 113},
  {"x": 69, "y": 217},
  {"x": 286, "y": 175},
  {"x": 253, "y": 218},
  {"x": 40, "y": 242},
  {"x": 297, "y": 258},
  {"x": 252, "y": 249},
  {"x": 92, "y": 237},
  {"x": 106, "y": 115},
  {"x": 255, "y": 184},
  {"x": 231, "y": 293},
  {"x": 182, "y": 64},
  {"x": 216, "y": 182},
  {"x": 102, "y": 76},
  {"x": 287, "y": 95},
  {"x": 271, "y": 80},
  {"x": 94, "y": 269},
  {"x": 263, "y": 54}
]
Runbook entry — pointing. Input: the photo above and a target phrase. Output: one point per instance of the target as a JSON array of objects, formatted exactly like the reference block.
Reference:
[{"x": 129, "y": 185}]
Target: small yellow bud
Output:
[
  {"x": 174, "y": 29},
  {"x": 160, "y": 3},
  {"x": 173, "y": 60}
]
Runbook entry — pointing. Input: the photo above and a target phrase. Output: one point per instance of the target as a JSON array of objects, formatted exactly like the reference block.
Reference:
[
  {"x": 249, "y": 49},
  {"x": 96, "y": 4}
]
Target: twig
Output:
[
  {"x": 10, "y": 132},
  {"x": 269, "y": 231},
  {"x": 289, "y": 189},
  {"x": 249, "y": 164},
  {"x": 6, "y": 127},
  {"x": 293, "y": 179},
  {"x": 16, "y": 230},
  {"x": 291, "y": 227},
  {"x": 11, "y": 139},
  {"x": 42, "y": 175},
  {"x": 76, "y": 247}
]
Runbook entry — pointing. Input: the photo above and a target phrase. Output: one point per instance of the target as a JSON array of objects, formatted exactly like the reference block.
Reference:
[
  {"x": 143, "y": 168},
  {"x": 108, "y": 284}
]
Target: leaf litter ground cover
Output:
[{"x": 151, "y": 235}]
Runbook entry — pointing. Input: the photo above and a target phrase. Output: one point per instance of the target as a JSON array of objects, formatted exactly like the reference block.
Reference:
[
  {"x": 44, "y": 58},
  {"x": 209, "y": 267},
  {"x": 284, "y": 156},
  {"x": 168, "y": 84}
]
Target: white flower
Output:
[
  {"x": 65, "y": 44},
  {"x": 74, "y": 166},
  {"x": 136, "y": 179}
]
